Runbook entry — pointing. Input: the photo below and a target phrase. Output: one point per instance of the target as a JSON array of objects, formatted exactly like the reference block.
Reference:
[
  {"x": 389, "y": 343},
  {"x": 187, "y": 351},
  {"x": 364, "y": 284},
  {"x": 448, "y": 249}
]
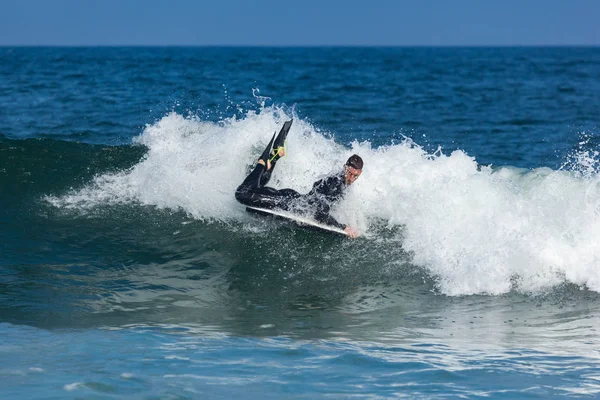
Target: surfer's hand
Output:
[{"x": 353, "y": 233}]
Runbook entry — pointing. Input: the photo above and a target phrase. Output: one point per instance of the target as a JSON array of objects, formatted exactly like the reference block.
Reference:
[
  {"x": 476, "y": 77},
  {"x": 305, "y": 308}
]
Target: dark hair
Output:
[{"x": 355, "y": 161}]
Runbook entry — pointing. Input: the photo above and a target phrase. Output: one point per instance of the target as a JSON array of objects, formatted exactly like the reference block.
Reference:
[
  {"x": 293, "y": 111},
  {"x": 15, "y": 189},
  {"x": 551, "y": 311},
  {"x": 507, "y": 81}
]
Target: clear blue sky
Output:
[{"x": 300, "y": 22}]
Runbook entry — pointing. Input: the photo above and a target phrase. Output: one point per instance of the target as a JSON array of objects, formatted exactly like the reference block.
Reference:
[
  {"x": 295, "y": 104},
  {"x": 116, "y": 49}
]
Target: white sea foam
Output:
[
  {"x": 476, "y": 229},
  {"x": 73, "y": 386}
]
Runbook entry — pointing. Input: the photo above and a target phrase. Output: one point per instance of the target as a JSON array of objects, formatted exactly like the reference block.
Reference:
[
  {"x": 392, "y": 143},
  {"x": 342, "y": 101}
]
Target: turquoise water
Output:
[{"x": 127, "y": 268}]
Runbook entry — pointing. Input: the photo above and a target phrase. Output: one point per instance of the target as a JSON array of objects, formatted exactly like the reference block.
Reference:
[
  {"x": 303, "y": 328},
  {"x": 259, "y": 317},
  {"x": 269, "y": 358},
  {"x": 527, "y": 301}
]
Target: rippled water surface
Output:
[{"x": 127, "y": 268}]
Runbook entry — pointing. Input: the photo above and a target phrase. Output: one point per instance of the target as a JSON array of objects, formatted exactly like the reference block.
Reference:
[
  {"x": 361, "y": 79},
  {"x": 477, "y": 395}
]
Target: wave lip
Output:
[{"x": 476, "y": 229}]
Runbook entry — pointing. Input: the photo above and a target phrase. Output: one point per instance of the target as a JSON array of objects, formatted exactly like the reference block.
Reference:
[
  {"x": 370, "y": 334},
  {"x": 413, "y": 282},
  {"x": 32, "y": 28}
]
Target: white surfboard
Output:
[{"x": 298, "y": 219}]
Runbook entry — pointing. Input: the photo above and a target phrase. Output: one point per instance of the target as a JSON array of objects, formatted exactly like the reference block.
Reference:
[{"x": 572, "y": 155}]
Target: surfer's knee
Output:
[{"x": 242, "y": 194}]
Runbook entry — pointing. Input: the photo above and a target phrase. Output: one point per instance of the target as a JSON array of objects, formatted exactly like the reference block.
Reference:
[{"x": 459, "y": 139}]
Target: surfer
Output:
[{"x": 325, "y": 192}]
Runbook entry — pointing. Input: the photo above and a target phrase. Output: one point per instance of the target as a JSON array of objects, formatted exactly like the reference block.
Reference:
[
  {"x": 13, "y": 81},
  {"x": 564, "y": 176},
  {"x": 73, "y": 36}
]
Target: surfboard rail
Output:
[{"x": 298, "y": 219}]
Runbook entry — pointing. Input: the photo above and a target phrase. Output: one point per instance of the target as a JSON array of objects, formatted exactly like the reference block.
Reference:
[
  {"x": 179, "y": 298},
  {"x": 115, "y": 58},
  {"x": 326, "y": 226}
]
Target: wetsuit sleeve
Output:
[
  {"x": 327, "y": 191},
  {"x": 329, "y": 220},
  {"x": 322, "y": 215}
]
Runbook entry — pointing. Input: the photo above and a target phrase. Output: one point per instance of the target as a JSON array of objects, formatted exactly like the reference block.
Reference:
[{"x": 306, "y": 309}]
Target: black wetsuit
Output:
[
  {"x": 253, "y": 192},
  {"x": 324, "y": 194}
]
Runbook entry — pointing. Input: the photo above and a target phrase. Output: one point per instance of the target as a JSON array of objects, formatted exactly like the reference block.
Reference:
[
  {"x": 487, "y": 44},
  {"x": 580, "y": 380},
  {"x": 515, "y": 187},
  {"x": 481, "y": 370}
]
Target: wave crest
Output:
[{"x": 477, "y": 229}]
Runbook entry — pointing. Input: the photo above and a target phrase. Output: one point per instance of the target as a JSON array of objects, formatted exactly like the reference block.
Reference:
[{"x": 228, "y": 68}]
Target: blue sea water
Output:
[{"x": 128, "y": 270}]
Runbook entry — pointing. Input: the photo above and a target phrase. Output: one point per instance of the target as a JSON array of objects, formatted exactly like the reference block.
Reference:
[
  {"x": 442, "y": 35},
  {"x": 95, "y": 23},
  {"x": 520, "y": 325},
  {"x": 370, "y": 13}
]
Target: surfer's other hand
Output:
[{"x": 353, "y": 233}]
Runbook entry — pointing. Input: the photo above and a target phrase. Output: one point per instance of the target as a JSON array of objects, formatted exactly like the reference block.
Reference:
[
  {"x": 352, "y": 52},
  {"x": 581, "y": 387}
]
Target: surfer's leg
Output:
[
  {"x": 265, "y": 178},
  {"x": 264, "y": 158},
  {"x": 261, "y": 174},
  {"x": 278, "y": 149},
  {"x": 275, "y": 151},
  {"x": 251, "y": 193},
  {"x": 278, "y": 198},
  {"x": 244, "y": 192},
  {"x": 267, "y": 197}
]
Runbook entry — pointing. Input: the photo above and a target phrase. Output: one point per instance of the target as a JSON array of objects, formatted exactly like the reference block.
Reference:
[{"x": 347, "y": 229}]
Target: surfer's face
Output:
[{"x": 351, "y": 174}]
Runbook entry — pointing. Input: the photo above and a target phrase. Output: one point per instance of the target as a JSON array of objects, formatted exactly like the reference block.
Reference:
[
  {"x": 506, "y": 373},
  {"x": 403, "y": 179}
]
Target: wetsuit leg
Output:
[
  {"x": 253, "y": 180},
  {"x": 251, "y": 193},
  {"x": 273, "y": 147},
  {"x": 279, "y": 142},
  {"x": 265, "y": 177}
]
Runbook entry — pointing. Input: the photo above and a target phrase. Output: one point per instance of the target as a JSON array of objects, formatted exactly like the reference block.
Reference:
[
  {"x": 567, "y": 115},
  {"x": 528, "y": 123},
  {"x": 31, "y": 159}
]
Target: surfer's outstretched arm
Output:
[
  {"x": 322, "y": 215},
  {"x": 329, "y": 220}
]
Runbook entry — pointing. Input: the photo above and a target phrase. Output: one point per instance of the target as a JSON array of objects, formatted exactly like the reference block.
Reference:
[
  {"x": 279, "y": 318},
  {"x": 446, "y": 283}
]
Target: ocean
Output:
[{"x": 128, "y": 270}]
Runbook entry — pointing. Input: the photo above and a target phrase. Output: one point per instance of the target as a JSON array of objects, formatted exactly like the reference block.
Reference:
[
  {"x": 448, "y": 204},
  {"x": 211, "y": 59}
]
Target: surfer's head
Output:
[{"x": 352, "y": 169}]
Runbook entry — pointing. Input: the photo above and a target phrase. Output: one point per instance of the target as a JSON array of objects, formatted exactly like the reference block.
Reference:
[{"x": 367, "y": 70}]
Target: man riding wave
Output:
[{"x": 325, "y": 192}]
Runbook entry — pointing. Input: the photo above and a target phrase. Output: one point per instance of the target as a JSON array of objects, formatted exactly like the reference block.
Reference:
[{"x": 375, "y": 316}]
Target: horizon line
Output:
[{"x": 301, "y": 45}]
